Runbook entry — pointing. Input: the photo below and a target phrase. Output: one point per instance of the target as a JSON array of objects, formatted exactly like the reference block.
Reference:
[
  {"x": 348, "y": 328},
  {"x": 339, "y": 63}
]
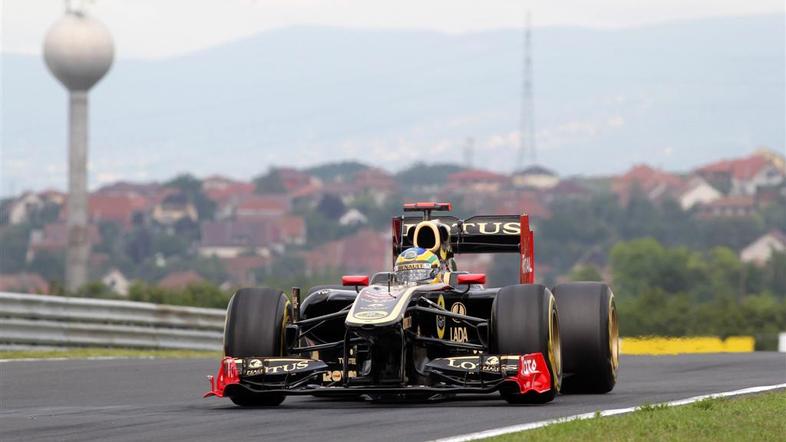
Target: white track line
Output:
[{"x": 533, "y": 425}]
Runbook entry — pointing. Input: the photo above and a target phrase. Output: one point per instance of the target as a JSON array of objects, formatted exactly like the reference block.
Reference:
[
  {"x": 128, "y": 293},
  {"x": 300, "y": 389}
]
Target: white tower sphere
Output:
[{"x": 78, "y": 50}]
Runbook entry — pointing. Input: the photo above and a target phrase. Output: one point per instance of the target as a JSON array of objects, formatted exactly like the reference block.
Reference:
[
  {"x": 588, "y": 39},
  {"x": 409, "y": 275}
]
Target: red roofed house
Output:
[
  {"x": 654, "y": 183},
  {"x": 743, "y": 175},
  {"x": 118, "y": 208},
  {"x": 180, "y": 280},
  {"x": 241, "y": 269},
  {"x": 365, "y": 252},
  {"x": 220, "y": 189},
  {"x": 24, "y": 283},
  {"x": 518, "y": 202},
  {"x": 375, "y": 182},
  {"x": 54, "y": 238},
  {"x": 474, "y": 180},
  {"x": 729, "y": 206},
  {"x": 293, "y": 179},
  {"x": 261, "y": 206},
  {"x": 229, "y": 239}
]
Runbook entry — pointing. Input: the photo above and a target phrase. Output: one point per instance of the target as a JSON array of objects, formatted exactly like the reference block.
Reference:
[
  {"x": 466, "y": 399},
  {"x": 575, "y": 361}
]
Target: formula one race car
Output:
[{"x": 425, "y": 330}]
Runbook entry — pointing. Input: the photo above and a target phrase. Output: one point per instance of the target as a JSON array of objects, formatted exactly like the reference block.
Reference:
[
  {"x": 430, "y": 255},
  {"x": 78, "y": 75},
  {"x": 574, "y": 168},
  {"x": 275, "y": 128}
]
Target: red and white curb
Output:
[{"x": 533, "y": 425}]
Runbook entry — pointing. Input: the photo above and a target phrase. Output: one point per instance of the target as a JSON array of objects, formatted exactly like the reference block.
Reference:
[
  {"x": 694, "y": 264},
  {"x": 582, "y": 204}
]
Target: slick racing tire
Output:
[
  {"x": 524, "y": 320},
  {"x": 590, "y": 337},
  {"x": 255, "y": 327}
]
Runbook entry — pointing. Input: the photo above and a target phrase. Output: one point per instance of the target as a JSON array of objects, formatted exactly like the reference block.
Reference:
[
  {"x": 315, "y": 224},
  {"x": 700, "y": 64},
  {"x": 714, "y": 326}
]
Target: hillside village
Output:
[{"x": 335, "y": 218}]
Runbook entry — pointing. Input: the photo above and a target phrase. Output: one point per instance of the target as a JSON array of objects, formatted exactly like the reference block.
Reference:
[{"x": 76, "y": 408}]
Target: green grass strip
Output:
[{"x": 760, "y": 417}]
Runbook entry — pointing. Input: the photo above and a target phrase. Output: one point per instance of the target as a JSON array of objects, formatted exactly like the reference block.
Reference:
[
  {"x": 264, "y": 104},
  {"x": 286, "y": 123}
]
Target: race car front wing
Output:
[{"x": 302, "y": 376}]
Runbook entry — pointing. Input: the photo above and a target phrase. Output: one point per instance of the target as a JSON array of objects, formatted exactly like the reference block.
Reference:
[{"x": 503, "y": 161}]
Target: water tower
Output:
[{"x": 78, "y": 51}]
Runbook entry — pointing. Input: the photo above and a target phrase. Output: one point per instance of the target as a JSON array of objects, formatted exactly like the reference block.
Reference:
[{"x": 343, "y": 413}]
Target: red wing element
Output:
[
  {"x": 416, "y": 207},
  {"x": 227, "y": 374},
  {"x": 533, "y": 374},
  {"x": 472, "y": 278},
  {"x": 354, "y": 280}
]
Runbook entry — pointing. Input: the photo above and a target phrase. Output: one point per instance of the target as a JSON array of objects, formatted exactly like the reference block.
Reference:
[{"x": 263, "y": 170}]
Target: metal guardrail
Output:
[{"x": 80, "y": 322}]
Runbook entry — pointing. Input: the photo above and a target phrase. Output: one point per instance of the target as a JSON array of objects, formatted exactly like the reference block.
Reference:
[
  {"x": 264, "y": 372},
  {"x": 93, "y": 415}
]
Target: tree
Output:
[
  {"x": 585, "y": 273},
  {"x": 269, "y": 183},
  {"x": 14, "y": 240},
  {"x": 191, "y": 187}
]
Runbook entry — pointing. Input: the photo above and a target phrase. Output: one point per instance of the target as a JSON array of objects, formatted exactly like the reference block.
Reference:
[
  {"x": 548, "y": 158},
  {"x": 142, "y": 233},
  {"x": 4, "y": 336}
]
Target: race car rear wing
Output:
[{"x": 478, "y": 234}]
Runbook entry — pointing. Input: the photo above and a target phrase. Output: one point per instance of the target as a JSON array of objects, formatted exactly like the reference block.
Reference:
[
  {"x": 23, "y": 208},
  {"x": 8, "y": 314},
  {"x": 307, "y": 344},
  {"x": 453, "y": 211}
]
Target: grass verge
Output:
[
  {"x": 82, "y": 353},
  {"x": 755, "y": 417}
]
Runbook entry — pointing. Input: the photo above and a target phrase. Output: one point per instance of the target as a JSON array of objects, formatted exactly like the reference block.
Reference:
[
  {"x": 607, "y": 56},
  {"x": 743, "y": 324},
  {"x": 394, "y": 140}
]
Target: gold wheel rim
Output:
[
  {"x": 614, "y": 332},
  {"x": 555, "y": 350}
]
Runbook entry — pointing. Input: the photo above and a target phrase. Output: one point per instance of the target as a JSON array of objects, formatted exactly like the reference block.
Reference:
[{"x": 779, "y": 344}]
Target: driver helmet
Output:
[{"x": 416, "y": 265}]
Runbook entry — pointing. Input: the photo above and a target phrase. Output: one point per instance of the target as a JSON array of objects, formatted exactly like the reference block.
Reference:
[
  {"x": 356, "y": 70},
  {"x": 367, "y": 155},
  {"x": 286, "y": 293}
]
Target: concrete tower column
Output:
[{"x": 78, "y": 246}]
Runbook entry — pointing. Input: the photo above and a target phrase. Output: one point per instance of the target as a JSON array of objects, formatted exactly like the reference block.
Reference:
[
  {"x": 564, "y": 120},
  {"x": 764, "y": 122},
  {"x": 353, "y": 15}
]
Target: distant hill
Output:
[{"x": 673, "y": 95}]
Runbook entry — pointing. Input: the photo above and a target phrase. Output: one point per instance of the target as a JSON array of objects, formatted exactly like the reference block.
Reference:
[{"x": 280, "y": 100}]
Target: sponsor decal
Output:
[
  {"x": 472, "y": 363},
  {"x": 410, "y": 254},
  {"x": 459, "y": 334},
  {"x": 373, "y": 314},
  {"x": 479, "y": 228},
  {"x": 459, "y": 309},
  {"x": 258, "y": 367},
  {"x": 440, "y": 318},
  {"x": 336, "y": 375}
]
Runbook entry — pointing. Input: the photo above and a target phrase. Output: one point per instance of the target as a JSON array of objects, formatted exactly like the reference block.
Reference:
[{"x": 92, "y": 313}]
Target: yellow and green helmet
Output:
[{"x": 416, "y": 265}]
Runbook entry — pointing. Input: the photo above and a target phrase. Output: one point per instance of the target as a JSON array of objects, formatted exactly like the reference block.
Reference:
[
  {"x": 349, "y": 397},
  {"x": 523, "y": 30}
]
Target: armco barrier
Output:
[{"x": 78, "y": 322}]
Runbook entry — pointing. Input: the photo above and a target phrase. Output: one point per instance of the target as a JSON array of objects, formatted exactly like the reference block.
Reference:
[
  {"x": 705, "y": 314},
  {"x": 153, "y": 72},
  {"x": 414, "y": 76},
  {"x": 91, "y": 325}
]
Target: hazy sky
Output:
[{"x": 160, "y": 28}]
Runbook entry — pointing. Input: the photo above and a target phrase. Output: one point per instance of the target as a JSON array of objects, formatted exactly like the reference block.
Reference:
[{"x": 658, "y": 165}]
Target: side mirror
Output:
[
  {"x": 354, "y": 280},
  {"x": 472, "y": 278}
]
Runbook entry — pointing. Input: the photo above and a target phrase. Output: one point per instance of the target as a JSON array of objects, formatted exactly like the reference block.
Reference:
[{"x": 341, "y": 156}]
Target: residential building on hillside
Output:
[
  {"x": 742, "y": 176},
  {"x": 180, "y": 280},
  {"x": 738, "y": 206},
  {"x": 655, "y": 184},
  {"x": 760, "y": 251},
  {"x": 53, "y": 238},
  {"x": 21, "y": 209},
  {"x": 116, "y": 281},
  {"x": 242, "y": 270},
  {"x": 365, "y": 252},
  {"x": 229, "y": 239},
  {"x": 535, "y": 177},
  {"x": 352, "y": 217},
  {"x": 174, "y": 208},
  {"x": 697, "y": 191},
  {"x": 122, "y": 209},
  {"x": 220, "y": 189},
  {"x": 23, "y": 283},
  {"x": 476, "y": 181}
]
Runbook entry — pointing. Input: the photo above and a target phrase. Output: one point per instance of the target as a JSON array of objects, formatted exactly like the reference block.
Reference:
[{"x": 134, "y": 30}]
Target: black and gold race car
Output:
[{"x": 392, "y": 337}]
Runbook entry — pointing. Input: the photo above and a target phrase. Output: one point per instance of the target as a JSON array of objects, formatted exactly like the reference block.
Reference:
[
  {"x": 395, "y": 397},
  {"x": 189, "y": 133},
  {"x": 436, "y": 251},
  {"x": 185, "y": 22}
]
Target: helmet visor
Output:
[{"x": 409, "y": 275}]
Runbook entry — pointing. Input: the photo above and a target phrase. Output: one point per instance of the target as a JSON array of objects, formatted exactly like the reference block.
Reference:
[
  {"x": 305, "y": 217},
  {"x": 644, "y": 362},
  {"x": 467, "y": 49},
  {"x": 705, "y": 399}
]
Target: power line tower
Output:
[
  {"x": 469, "y": 152},
  {"x": 527, "y": 129}
]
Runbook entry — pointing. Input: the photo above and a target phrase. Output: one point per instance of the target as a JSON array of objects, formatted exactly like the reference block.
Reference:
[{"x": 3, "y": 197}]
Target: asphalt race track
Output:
[{"x": 161, "y": 399}]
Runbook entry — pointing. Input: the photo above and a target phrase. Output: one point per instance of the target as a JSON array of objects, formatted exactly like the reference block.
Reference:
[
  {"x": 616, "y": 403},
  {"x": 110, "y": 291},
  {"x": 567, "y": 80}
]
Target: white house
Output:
[
  {"x": 698, "y": 191},
  {"x": 760, "y": 251},
  {"x": 352, "y": 217},
  {"x": 117, "y": 282},
  {"x": 537, "y": 177}
]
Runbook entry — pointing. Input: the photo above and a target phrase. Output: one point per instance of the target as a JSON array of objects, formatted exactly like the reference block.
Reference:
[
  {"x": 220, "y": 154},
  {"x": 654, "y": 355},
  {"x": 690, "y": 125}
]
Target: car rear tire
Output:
[
  {"x": 524, "y": 320},
  {"x": 255, "y": 323},
  {"x": 590, "y": 337}
]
